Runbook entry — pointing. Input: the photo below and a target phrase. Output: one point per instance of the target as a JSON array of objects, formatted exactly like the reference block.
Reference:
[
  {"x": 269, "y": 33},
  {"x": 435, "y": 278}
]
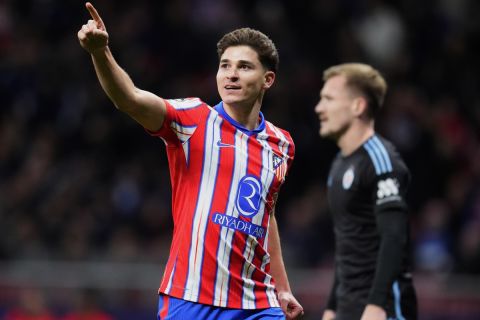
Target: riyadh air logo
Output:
[
  {"x": 248, "y": 203},
  {"x": 249, "y": 195},
  {"x": 388, "y": 190},
  {"x": 348, "y": 178}
]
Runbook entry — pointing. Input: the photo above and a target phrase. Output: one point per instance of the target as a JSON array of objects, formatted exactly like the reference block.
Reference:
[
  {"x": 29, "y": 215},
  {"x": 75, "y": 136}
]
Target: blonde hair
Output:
[{"x": 364, "y": 79}]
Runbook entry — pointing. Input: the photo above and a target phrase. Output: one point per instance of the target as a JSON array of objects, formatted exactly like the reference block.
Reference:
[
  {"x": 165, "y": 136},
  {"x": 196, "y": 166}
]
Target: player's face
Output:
[
  {"x": 334, "y": 109},
  {"x": 241, "y": 78}
]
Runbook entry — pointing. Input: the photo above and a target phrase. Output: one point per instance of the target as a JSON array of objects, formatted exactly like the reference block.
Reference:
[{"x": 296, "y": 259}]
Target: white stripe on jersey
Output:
[
  {"x": 169, "y": 284},
  {"x": 181, "y": 104},
  {"x": 183, "y": 133},
  {"x": 248, "y": 299},
  {"x": 226, "y": 234},
  {"x": 272, "y": 297},
  {"x": 204, "y": 202}
]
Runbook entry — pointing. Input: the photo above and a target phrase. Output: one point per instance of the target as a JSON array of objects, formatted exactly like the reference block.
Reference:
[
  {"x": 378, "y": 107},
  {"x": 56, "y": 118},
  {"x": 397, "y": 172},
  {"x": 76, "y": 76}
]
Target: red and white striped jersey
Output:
[{"x": 224, "y": 179}]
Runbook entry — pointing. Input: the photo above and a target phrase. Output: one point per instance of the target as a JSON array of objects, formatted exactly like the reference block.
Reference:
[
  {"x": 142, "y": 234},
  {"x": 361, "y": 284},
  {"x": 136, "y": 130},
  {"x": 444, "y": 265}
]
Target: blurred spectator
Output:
[
  {"x": 433, "y": 244},
  {"x": 469, "y": 249},
  {"x": 31, "y": 306},
  {"x": 88, "y": 307},
  {"x": 381, "y": 33}
]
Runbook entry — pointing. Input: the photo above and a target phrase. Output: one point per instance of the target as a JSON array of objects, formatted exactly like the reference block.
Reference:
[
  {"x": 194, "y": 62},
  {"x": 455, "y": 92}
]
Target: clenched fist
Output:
[{"x": 93, "y": 35}]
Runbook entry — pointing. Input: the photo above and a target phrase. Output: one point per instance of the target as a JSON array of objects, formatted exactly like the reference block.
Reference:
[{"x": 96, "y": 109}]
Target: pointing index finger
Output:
[{"x": 93, "y": 13}]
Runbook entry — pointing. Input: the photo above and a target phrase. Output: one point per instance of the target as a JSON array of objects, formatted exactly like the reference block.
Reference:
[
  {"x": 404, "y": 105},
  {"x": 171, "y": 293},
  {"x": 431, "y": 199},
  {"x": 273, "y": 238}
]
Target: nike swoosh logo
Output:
[{"x": 220, "y": 144}]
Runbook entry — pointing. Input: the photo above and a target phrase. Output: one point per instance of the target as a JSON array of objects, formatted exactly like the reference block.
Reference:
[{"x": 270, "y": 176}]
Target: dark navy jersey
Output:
[{"x": 366, "y": 195}]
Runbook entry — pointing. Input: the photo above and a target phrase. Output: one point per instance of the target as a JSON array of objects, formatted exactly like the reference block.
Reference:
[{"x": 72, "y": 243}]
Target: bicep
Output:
[{"x": 148, "y": 109}]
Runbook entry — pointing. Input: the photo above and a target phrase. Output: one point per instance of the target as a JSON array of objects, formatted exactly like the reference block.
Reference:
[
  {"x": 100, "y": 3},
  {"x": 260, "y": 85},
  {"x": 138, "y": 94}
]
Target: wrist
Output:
[
  {"x": 283, "y": 289},
  {"x": 99, "y": 52}
]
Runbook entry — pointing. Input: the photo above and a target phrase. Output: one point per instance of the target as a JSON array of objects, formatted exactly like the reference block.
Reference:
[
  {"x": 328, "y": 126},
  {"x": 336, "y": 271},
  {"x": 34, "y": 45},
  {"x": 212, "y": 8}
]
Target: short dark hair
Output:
[
  {"x": 363, "y": 78},
  {"x": 258, "y": 41}
]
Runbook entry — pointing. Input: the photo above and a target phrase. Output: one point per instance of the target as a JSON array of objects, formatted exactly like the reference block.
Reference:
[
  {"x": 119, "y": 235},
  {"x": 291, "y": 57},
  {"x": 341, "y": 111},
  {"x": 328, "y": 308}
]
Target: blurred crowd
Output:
[{"x": 81, "y": 181}]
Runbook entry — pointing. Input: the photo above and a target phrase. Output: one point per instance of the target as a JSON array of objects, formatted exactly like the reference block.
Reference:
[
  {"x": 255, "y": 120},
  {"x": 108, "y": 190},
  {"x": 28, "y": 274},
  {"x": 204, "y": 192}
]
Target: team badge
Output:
[
  {"x": 348, "y": 178},
  {"x": 280, "y": 167}
]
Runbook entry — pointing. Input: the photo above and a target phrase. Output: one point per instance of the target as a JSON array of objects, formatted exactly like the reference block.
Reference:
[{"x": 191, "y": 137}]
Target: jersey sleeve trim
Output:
[{"x": 379, "y": 155}]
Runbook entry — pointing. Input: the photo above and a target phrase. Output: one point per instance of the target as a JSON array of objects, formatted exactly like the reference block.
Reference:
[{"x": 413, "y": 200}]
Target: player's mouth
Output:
[{"x": 232, "y": 87}]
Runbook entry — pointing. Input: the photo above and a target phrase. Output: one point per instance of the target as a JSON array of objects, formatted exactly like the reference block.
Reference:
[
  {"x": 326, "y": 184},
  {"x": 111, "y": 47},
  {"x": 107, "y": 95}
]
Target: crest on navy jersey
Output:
[{"x": 348, "y": 178}]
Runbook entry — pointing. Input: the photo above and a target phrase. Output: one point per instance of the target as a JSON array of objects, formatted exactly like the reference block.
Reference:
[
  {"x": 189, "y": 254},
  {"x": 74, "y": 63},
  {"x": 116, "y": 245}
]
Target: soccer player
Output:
[
  {"x": 367, "y": 184},
  {"x": 227, "y": 164}
]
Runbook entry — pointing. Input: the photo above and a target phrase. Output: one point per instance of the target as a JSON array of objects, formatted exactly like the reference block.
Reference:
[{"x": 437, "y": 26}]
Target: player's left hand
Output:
[
  {"x": 290, "y": 305},
  {"x": 374, "y": 312}
]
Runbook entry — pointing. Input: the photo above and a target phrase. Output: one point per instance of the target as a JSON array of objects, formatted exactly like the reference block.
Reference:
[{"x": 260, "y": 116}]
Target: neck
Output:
[
  {"x": 245, "y": 114},
  {"x": 355, "y": 136}
]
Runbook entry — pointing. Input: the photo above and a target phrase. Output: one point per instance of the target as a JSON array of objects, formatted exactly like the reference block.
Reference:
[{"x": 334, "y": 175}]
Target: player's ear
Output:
[
  {"x": 268, "y": 79},
  {"x": 360, "y": 105}
]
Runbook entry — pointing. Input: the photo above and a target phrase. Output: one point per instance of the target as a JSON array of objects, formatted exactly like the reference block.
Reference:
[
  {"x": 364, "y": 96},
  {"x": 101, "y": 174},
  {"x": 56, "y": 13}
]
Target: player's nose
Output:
[
  {"x": 232, "y": 73},
  {"x": 318, "y": 107}
]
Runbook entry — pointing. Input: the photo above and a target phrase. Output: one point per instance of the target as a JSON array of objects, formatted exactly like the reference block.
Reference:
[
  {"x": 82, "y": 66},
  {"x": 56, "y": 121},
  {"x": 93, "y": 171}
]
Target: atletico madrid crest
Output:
[{"x": 280, "y": 167}]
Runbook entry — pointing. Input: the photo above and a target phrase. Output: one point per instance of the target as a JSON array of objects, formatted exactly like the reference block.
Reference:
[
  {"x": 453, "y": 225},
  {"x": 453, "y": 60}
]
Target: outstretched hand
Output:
[
  {"x": 290, "y": 306},
  {"x": 93, "y": 35}
]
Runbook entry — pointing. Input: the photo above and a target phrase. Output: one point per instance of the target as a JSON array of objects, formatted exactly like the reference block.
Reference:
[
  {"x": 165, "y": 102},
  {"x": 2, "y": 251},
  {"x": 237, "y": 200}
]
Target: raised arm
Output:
[{"x": 144, "y": 107}]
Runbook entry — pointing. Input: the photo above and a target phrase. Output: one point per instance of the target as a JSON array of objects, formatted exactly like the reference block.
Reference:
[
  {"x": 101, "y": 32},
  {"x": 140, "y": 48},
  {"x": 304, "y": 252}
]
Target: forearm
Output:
[
  {"x": 114, "y": 80},
  {"x": 290, "y": 306},
  {"x": 388, "y": 267},
  {"x": 393, "y": 233},
  {"x": 145, "y": 107},
  {"x": 277, "y": 266},
  {"x": 332, "y": 298}
]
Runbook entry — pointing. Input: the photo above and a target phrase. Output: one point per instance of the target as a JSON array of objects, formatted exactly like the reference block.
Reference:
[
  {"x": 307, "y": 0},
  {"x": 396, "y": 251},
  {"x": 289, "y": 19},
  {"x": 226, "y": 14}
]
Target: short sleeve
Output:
[{"x": 181, "y": 120}]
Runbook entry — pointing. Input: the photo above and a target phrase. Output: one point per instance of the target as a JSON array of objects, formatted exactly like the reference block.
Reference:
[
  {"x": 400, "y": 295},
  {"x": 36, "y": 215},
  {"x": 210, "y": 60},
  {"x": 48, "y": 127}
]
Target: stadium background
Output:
[{"x": 84, "y": 191}]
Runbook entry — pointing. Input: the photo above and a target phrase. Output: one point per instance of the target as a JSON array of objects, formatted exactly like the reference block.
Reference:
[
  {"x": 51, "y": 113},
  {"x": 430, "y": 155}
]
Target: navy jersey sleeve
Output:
[{"x": 389, "y": 189}]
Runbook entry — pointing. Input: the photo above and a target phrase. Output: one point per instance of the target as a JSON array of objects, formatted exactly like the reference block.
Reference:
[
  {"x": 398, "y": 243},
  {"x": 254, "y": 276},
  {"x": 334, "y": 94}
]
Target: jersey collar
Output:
[{"x": 219, "y": 108}]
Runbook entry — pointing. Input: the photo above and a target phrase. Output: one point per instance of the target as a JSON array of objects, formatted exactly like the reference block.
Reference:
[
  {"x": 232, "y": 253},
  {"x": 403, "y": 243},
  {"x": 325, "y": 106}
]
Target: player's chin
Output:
[
  {"x": 324, "y": 133},
  {"x": 231, "y": 99}
]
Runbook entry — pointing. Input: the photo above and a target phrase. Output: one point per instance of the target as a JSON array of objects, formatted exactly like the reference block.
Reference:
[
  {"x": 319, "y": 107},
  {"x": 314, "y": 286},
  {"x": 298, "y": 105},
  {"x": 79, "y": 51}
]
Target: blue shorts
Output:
[{"x": 170, "y": 308}]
